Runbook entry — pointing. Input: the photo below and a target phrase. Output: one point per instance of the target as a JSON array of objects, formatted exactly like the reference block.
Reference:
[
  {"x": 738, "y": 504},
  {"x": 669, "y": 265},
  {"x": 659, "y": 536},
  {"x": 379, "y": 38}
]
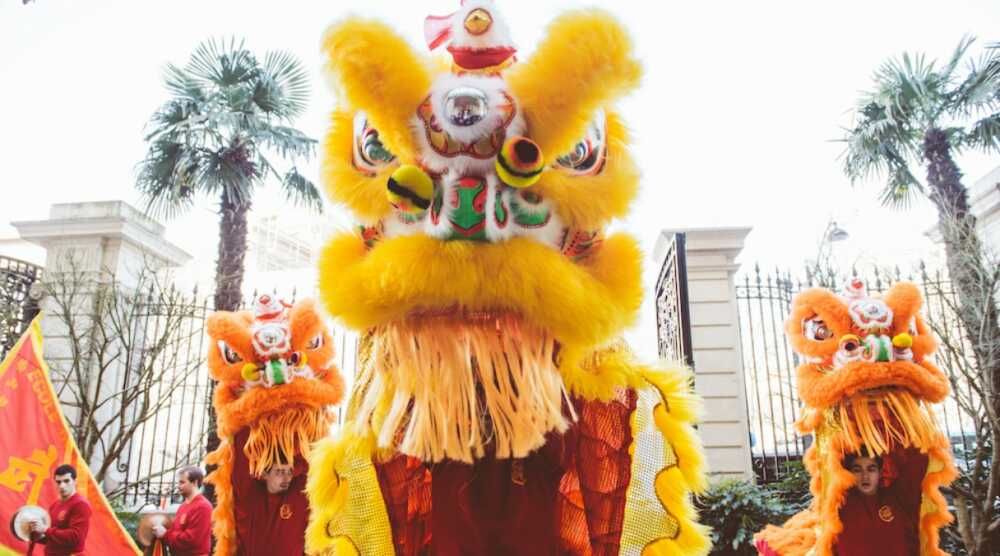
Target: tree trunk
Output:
[
  {"x": 228, "y": 287},
  {"x": 232, "y": 251},
  {"x": 977, "y": 301}
]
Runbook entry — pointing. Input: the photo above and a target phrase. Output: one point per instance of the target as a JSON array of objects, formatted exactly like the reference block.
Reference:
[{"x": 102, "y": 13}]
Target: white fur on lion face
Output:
[{"x": 499, "y": 101}]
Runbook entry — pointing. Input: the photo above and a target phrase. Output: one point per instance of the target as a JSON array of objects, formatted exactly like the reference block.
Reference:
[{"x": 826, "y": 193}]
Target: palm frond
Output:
[
  {"x": 956, "y": 56},
  {"x": 182, "y": 85},
  {"x": 166, "y": 179},
  {"x": 980, "y": 90},
  {"x": 984, "y": 135},
  {"x": 901, "y": 187},
  {"x": 223, "y": 63},
  {"x": 882, "y": 137},
  {"x": 286, "y": 141},
  {"x": 174, "y": 120},
  {"x": 229, "y": 171},
  {"x": 283, "y": 89},
  {"x": 301, "y": 191}
]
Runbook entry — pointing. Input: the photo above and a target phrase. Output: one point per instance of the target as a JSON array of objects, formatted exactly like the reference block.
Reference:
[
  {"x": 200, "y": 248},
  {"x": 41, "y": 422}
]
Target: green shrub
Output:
[
  {"x": 736, "y": 510},
  {"x": 129, "y": 520},
  {"x": 792, "y": 490}
]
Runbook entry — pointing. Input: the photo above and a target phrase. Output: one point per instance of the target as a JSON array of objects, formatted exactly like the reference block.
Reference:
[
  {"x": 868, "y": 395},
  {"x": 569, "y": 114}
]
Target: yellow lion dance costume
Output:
[
  {"x": 867, "y": 383},
  {"x": 496, "y": 409},
  {"x": 276, "y": 381}
]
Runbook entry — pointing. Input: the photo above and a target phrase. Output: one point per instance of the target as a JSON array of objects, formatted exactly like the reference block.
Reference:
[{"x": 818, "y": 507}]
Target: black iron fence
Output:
[
  {"x": 173, "y": 436},
  {"x": 764, "y": 302},
  {"x": 673, "y": 317},
  {"x": 17, "y": 309}
]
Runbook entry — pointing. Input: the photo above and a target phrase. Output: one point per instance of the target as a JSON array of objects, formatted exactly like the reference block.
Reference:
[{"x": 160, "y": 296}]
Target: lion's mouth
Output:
[
  {"x": 825, "y": 386},
  {"x": 882, "y": 390},
  {"x": 883, "y": 418}
]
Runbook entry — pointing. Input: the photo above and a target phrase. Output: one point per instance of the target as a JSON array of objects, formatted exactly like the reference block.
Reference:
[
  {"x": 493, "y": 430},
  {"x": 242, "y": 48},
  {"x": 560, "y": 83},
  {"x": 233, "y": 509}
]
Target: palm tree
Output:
[
  {"x": 920, "y": 114},
  {"x": 227, "y": 113},
  {"x": 213, "y": 137}
]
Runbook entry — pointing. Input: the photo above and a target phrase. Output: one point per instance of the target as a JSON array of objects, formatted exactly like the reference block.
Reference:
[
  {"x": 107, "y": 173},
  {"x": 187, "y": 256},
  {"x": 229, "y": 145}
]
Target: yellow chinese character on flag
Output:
[{"x": 34, "y": 469}]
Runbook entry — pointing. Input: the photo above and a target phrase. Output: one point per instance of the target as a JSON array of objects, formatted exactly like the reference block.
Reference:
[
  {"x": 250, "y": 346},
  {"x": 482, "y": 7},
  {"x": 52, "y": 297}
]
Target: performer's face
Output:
[
  {"x": 66, "y": 485},
  {"x": 185, "y": 486},
  {"x": 278, "y": 477},
  {"x": 866, "y": 475}
]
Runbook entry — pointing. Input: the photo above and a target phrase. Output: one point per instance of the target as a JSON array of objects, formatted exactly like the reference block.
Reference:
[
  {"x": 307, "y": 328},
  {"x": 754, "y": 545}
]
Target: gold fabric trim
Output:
[
  {"x": 363, "y": 520},
  {"x": 646, "y": 518}
]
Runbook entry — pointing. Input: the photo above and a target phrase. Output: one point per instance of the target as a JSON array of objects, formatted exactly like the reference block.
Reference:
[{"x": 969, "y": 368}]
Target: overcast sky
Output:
[{"x": 733, "y": 123}]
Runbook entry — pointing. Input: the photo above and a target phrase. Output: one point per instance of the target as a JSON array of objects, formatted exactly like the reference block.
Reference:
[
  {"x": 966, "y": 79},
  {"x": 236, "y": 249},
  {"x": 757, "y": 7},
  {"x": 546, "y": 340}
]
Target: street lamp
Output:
[
  {"x": 835, "y": 232},
  {"x": 831, "y": 234}
]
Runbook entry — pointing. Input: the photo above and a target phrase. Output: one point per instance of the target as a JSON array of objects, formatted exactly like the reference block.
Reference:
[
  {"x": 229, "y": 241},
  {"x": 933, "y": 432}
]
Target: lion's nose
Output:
[{"x": 465, "y": 106}]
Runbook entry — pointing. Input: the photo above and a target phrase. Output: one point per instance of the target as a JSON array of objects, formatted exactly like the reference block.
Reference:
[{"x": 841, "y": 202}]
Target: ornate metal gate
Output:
[
  {"x": 673, "y": 316},
  {"x": 17, "y": 309}
]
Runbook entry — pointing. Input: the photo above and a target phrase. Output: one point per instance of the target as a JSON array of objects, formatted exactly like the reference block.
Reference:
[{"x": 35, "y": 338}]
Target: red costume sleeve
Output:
[
  {"x": 196, "y": 528},
  {"x": 912, "y": 467},
  {"x": 76, "y": 533},
  {"x": 242, "y": 480},
  {"x": 244, "y": 489}
]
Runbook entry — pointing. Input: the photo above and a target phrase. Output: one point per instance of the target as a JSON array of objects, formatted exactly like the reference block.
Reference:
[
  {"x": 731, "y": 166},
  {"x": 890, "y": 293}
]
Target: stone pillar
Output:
[
  {"x": 110, "y": 236},
  {"x": 718, "y": 364},
  {"x": 102, "y": 239}
]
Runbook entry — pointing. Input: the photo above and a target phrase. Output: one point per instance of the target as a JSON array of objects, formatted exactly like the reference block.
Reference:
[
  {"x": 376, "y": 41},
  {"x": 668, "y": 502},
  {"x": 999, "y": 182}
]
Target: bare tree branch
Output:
[{"x": 126, "y": 356}]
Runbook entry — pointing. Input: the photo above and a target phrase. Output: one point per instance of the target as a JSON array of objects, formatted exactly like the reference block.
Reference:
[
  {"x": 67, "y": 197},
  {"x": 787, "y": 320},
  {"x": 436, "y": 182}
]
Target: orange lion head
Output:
[
  {"x": 867, "y": 362},
  {"x": 271, "y": 364}
]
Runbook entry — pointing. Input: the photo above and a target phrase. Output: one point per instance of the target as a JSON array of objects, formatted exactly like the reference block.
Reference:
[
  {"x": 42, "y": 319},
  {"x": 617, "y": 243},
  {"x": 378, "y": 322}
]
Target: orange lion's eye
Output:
[
  {"x": 913, "y": 327},
  {"x": 816, "y": 329},
  {"x": 229, "y": 354},
  {"x": 316, "y": 342}
]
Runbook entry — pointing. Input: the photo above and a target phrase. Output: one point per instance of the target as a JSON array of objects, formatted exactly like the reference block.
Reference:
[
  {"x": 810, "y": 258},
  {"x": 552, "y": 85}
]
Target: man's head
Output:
[
  {"x": 278, "y": 477},
  {"x": 65, "y": 478},
  {"x": 867, "y": 471},
  {"x": 189, "y": 480}
]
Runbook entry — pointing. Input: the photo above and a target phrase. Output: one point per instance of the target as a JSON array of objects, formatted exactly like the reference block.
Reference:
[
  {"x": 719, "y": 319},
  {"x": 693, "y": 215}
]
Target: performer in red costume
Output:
[
  {"x": 880, "y": 513},
  {"x": 190, "y": 534},
  {"x": 271, "y": 512},
  {"x": 70, "y": 517}
]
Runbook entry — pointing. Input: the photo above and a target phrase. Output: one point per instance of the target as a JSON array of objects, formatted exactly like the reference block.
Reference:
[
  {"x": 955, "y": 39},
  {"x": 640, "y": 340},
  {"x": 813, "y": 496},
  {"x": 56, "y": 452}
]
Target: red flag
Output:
[{"x": 34, "y": 440}]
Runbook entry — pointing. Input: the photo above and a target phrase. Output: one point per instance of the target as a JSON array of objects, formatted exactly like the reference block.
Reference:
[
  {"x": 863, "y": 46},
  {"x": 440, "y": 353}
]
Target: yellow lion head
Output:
[{"x": 423, "y": 155}]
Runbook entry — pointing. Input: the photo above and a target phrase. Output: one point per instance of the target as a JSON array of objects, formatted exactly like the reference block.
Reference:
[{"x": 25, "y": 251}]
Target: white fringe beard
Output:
[{"x": 451, "y": 386}]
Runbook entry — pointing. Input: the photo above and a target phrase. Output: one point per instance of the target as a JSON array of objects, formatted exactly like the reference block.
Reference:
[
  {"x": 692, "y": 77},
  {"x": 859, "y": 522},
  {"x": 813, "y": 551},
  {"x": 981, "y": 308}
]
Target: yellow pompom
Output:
[
  {"x": 250, "y": 372},
  {"x": 902, "y": 341},
  {"x": 519, "y": 163},
  {"x": 410, "y": 189}
]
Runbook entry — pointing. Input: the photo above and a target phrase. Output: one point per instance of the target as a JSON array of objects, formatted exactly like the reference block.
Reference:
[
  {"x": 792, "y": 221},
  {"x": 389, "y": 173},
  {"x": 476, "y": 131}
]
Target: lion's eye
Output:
[
  {"x": 590, "y": 152},
  {"x": 912, "y": 331},
  {"x": 370, "y": 154},
  {"x": 316, "y": 342},
  {"x": 229, "y": 354},
  {"x": 816, "y": 329}
]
